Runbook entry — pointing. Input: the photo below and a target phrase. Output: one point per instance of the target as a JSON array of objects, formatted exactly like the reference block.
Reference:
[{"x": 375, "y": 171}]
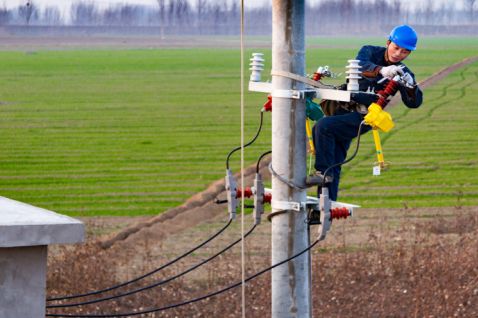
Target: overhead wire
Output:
[
  {"x": 100, "y": 291},
  {"x": 191, "y": 300},
  {"x": 162, "y": 282}
]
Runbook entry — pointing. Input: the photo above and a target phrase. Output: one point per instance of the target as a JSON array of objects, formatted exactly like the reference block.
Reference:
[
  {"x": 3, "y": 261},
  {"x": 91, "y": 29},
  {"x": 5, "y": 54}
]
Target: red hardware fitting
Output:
[
  {"x": 339, "y": 213},
  {"x": 268, "y": 105},
  {"x": 317, "y": 76},
  {"x": 267, "y": 197},
  {"x": 247, "y": 193},
  {"x": 390, "y": 89}
]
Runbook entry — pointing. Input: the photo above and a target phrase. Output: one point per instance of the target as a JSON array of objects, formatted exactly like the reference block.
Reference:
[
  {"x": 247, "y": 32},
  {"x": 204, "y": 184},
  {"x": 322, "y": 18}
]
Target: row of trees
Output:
[{"x": 222, "y": 15}]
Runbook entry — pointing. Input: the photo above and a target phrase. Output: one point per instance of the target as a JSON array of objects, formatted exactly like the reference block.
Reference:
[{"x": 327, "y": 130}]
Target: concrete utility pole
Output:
[{"x": 290, "y": 281}]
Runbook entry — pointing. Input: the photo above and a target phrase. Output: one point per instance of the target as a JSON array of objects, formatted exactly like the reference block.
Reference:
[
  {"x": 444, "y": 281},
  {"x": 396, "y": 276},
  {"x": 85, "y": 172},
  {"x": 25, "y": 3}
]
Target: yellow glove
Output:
[{"x": 378, "y": 118}]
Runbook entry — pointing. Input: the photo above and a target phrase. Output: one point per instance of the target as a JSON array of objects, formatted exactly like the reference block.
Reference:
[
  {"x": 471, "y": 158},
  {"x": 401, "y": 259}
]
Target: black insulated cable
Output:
[
  {"x": 162, "y": 282},
  {"x": 100, "y": 291},
  {"x": 194, "y": 299},
  {"x": 260, "y": 159},
  {"x": 347, "y": 160},
  {"x": 248, "y": 144}
]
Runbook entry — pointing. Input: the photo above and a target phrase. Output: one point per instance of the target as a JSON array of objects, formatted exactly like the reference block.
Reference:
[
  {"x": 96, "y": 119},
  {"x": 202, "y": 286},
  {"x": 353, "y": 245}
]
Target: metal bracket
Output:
[
  {"x": 322, "y": 93},
  {"x": 263, "y": 87},
  {"x": 287, "y": 205},
  {"x": 288, "y": 93},
  {"x": 333, "y": 94}
]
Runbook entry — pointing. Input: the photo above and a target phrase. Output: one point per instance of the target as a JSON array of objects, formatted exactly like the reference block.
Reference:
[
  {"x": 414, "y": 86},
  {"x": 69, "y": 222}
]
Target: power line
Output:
[
  {"x": 260, "y": 159},
  {"x": 162, "y": 282},
  {"x": 249, "y": 143},
  {"x": 100, "y": 291},
  {"x": 191, "y": 300}
]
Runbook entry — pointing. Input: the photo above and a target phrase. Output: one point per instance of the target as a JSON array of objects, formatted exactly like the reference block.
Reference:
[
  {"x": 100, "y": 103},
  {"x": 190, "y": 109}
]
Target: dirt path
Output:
[{"x": 200, "y": 207}]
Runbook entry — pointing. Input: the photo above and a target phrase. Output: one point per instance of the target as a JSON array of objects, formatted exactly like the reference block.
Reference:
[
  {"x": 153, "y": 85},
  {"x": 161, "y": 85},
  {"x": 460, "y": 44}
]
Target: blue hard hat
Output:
[{"x": 404, "y": 36}]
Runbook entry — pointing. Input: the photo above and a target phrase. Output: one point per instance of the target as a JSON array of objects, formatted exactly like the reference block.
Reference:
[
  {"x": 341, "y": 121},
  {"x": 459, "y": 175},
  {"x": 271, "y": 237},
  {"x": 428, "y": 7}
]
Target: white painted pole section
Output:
[{"x": 290, "y": 281}]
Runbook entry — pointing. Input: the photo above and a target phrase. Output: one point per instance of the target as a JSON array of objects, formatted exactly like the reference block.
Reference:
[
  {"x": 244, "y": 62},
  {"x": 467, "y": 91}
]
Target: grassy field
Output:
[{"x": 134, "y": 132}]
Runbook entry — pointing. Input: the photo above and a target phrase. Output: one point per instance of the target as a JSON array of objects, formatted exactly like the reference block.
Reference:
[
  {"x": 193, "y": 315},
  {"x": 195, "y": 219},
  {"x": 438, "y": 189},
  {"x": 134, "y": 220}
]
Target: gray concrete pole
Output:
[{"x": 290, "y": 281}]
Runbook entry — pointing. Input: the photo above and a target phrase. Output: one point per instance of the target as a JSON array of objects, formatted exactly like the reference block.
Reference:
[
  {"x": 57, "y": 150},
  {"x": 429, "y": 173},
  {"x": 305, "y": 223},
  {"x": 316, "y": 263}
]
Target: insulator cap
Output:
[
  {"x": 267, "y": 198},
  {"x": 256, "y": 66},
  {"x": 247, "y": 193}
]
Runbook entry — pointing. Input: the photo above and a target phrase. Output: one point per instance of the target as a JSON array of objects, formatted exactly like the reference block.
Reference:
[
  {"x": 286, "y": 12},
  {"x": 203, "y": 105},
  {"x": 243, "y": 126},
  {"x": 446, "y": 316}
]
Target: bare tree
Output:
[
  {"x": 27, "y": 11},
  {"x": 469, "y": 4},
  {"x": 5, "y": 15},
  {"x": 51, "y": 16},
  {"x": 182, "y": 11},
  {"x": 201, "y": 7},
  {"x": 171, "y": 11},
  {"x": 129, "y": 14},
  {"x": 162, "y": 8},
  {"x": 84, "y": 13}
]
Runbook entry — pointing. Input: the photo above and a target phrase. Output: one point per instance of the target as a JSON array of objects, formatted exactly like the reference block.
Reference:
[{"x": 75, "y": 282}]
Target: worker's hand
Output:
[
  {"x": 378, "y": 118},
  {"x": 408, "y": 80},
  {"x": 313, "y": 110},
  {"x": 392, "y": 70},
  {"x": 364, "y": 98}
]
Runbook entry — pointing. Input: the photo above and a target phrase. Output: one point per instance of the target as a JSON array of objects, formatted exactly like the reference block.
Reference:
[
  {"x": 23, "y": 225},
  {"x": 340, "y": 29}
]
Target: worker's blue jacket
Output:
[{"x": 372, "y": 59}]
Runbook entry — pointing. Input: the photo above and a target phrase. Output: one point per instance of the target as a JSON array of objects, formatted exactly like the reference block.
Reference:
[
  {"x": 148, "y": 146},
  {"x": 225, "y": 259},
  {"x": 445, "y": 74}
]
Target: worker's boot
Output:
[{"x": 316, "y": 179}]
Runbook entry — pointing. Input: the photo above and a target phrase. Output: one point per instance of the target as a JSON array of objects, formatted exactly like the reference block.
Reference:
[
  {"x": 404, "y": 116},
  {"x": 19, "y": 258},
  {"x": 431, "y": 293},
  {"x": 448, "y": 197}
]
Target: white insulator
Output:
[
  {"x": 256, "y": 66},
  {"x": 353, "y": 75},
  {"x": 323, "y": 69}
]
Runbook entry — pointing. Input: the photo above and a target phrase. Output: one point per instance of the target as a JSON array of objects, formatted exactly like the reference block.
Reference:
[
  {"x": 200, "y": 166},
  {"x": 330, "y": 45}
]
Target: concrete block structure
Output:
[{"x": 25, "y": 233}]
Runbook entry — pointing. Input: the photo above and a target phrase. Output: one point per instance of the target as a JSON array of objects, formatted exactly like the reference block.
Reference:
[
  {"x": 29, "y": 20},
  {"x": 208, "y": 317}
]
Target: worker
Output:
[{"x": 333, "y": 133}]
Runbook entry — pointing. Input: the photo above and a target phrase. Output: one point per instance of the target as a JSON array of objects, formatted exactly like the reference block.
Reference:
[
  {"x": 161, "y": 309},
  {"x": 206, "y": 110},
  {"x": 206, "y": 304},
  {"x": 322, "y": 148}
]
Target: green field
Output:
[{"x": 134, "y": 132}]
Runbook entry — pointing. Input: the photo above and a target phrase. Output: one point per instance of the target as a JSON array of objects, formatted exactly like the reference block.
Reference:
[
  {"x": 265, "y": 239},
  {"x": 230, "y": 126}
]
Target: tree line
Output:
[{"x": 222, "y": 16}]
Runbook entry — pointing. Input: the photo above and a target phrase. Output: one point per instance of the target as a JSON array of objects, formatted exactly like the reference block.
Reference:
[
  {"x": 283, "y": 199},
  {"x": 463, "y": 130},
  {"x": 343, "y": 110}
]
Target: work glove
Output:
[
  {"x": 378, "y": 118},
  {"x": 313, "y": 110},
  {"x": 408, "y": 80},
  {"x": 364, "y": 98},
  {"x": 392, "y": 70}
]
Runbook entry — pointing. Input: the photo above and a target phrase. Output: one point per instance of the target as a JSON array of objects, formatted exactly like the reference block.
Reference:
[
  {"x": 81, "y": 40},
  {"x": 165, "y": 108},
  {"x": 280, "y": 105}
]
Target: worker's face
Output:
[{"x": 395, "y": 53}]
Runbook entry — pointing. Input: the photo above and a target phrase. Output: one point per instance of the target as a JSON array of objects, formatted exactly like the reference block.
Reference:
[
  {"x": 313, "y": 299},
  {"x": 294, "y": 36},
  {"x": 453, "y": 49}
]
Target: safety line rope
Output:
[
  {"x": 100, "y": 291},
  {"x": 192, "y": 300},
  {"x": 299, "y": 78},
  {"x": 349, "y": 159},
  {"x": 162, "y": 282},
  {"x": 243, "y": 267}
]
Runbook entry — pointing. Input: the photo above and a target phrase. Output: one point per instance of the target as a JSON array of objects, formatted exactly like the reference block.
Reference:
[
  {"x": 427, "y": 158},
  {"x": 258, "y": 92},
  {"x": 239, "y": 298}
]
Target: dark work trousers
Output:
[{"x": 332, "y": 136}]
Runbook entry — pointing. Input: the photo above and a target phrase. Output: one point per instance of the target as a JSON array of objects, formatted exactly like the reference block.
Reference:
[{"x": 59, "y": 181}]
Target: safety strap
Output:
[{"x": 298, "y": 78}]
